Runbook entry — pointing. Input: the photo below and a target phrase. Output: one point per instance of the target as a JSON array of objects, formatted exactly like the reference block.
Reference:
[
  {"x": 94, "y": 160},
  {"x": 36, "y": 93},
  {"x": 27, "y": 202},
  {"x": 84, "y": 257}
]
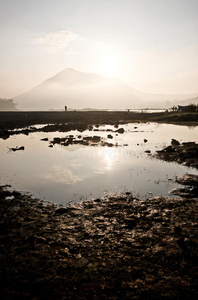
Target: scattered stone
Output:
[
  {"x": 57, "y": 140},
  {"x": 148, "y": 151},
  {"x": 16, "y": 148},
  {"x": 120, "y": 130},
  {"x": 109, "y": 136},
  {"x": 85, "y": 141},
  {"x": 96, "y": 139},
  {"x": 61, "y": 211}
]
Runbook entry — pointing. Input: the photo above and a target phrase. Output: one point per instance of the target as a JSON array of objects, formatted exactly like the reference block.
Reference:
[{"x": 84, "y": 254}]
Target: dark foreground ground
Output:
[
  {"x": 11, "y": 120},
  {"x": 113, "y": 248}
]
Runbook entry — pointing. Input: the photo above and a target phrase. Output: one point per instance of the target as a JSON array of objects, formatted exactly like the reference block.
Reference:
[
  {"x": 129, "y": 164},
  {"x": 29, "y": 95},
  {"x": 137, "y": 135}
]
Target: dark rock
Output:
[
  {"x": 87, "y": 138},
  {"x": 178, "y": 230},
  {"x": 181, "y": 243},
  {"x": 188, "y": 179},
  {"x": 97, "y": 200},
  {"x": 145, "y": 140},
  {"x": 4, "y": 134},
  {"x": 120, "y": 130},
  {"x": 187, "y": 144},
  {"x": 81, "y": 127},
  {"x": 61, "y": 211},
  {"x": 96, "y": 139},
  {"x": 16, "y": 194},
  {"x": 70, "y": 140},
  {"x": 57, "y": 140},
  {"x": 40, "y": 239},
  {"x": 130, "y": 222},
  {"x": 109, "y": 136},
  {"x": 147, "y": 151},
  {"x": 109, "y": 144},
  {"x": 185, "y": 153},
  {"x": 169, "y": 149},
  {"x": 174, "y": 143},
  {"x": 17, "y": 148}
]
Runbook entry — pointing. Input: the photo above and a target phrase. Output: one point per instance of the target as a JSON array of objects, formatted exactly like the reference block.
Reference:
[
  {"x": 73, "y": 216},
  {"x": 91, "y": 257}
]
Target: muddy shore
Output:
[
  {"x": 112, "y": 248},
  {"x": 12, "y": 120}
]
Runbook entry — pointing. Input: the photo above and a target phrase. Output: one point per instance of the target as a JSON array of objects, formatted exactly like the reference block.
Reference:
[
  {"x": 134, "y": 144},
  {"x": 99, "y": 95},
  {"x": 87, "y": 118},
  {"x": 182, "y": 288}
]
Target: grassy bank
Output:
[{"x": 11, "y": 120}]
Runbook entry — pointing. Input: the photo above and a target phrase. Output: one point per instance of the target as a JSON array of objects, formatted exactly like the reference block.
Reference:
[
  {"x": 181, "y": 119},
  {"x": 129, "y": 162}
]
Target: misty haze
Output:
[
  {"x": 99, "y": 150},
  {"x": 80, "y": 90}
]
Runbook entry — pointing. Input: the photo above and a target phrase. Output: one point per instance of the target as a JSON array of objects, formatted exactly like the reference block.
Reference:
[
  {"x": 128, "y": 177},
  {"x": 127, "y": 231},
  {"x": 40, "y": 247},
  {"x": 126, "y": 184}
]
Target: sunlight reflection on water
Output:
[{"x": 63, "y": 174}]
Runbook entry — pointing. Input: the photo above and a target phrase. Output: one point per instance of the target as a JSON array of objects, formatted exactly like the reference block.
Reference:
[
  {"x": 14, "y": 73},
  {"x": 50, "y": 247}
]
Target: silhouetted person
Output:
[{"x": 65, "y": 108}]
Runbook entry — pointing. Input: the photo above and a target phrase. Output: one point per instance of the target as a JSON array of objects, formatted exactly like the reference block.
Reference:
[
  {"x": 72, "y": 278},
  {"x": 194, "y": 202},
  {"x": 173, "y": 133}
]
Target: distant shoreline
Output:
[{"x": 17, "y": 119}]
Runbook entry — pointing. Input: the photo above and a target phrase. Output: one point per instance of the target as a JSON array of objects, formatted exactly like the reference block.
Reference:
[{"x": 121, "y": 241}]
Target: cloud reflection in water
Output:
[{"x": 60, "y": 175}]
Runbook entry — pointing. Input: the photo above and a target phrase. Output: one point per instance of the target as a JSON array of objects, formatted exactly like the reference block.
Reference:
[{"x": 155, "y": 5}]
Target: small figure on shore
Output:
[{"x": 65, "y": 108}]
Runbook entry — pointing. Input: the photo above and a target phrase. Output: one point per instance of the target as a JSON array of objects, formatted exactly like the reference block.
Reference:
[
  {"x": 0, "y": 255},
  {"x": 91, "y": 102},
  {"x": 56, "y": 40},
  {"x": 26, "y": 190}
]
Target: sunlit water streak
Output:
[{"x": 64, "y": 174}]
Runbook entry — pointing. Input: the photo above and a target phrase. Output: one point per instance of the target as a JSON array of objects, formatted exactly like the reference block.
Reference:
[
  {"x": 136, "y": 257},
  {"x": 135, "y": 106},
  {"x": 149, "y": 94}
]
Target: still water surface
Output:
[{"x": 76, "y": 172}]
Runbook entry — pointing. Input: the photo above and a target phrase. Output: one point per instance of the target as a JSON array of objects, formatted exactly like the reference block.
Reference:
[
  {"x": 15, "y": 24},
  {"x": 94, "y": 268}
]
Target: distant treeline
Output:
[
  {"x": 188, "y": 108},
  {"x": 7, "y": 104}
]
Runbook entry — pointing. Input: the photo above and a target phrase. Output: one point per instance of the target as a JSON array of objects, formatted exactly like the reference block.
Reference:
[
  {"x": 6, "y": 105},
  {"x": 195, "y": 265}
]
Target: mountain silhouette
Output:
[{"x": 80, "y": 90}]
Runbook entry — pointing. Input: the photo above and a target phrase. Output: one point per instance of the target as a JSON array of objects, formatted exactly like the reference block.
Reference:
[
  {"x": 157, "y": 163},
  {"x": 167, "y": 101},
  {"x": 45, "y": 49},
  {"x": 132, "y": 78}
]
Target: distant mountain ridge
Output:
[
  {"x": 79, "y": 90},
  {"x": 71, "y": 77}
]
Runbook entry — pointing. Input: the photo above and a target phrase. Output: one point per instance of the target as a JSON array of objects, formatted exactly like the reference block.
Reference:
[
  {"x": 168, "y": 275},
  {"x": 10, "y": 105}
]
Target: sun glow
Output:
[
  {"x": 109, "y": 66},
  {"x": 108, "y": 60},
  {"x": 109, "y": 158}
]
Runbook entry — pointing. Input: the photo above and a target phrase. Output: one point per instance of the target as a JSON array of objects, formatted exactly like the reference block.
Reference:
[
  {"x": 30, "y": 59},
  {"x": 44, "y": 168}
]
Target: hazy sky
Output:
[{"x": 150, "y": 44}]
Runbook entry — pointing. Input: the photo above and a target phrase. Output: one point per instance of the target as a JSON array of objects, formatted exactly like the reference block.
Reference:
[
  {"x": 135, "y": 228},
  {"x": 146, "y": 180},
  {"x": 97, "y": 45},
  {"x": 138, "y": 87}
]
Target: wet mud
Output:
[{"x": 112, "y": 248}]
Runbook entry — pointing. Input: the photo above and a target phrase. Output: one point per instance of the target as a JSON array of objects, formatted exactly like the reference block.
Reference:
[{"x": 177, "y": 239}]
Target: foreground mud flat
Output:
[{"x": 113, "y": 248}]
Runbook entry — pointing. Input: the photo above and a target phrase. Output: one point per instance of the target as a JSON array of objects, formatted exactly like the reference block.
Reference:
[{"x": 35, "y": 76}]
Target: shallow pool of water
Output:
[{"x": 76, "y": 172}]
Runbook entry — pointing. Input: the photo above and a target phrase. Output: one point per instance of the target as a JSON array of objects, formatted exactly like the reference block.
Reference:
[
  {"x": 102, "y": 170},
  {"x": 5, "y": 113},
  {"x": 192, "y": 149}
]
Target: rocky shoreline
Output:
[
  {"x": 185, "y": 153},
  {"x": 112, "y": 248}
]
